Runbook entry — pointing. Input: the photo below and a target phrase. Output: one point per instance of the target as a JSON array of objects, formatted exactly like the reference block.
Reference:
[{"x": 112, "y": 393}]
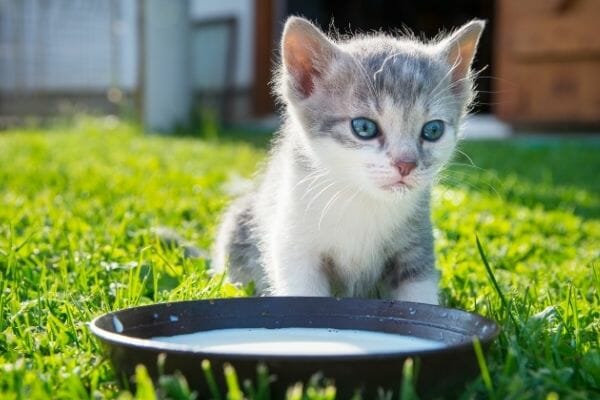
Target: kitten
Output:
[{"x": 342, "y": 206}]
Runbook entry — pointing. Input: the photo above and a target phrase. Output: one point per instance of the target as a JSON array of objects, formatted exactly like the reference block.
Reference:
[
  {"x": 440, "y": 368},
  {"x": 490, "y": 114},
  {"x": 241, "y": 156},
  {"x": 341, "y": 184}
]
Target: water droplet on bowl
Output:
[
  {"x": 173, "y": 318},
  {"x": 445, "y": 315},
  {"x": 412, "y": 311},
  {"x": 117, "y": 324}
]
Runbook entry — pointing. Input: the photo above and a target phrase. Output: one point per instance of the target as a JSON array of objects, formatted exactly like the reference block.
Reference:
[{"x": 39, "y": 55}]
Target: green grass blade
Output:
[
  {"x": 144, "y": 386},
  {"x": 409, "y": 377},
  {"x": 483, "y": 367},
  {"x": 492, "y": 277},
  {"x": 233, "y": 386},
  {"x": 263, "y": 382},
  {"x": 210, "y": 380}
]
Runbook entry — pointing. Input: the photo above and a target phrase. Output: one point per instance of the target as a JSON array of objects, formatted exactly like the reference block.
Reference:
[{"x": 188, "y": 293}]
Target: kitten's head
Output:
[{"x": 379, "y": 112}]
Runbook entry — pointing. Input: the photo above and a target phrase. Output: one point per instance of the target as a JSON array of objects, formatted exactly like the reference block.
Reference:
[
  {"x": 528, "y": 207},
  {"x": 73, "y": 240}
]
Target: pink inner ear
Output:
[
  {"x": 461, "y": 56},
  {"x": 306, "y": 82},
  {"x": 304, "y": 73},
  {"x": 301, "y": 65}
]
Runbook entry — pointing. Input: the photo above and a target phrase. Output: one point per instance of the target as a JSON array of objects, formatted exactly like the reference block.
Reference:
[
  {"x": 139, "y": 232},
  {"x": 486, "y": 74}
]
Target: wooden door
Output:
[{"x": 548, "y": 61}]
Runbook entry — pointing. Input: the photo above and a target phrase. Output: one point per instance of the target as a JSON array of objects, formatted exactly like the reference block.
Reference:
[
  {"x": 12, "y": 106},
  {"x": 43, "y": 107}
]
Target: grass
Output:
[{"x": 78, "y": 202}]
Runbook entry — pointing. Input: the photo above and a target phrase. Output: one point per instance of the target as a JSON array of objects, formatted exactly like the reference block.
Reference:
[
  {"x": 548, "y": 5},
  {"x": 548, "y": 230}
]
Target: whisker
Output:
[
  {"x": 434, "y": 92},
  {"x": 346, "y": 204},
  {"x": 450, "y": 179},
  {"x": 385, "y": 60},
  {"x": 465, "y": 165},
  {"x": 313, "y": 175},
  {"x": 328, "y": 206},
  {"x": 370, "y": 84},
  {"x": 466, "y": 156},
  {"x": 310, "y": 203},
  {"x": 314, "y": 186}
]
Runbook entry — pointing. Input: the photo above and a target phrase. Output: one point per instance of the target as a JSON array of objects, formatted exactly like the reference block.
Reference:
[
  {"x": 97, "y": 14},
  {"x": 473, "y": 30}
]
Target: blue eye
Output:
[
  {"x": 364, "y": 128},
  {"x": 432, "y": 130}
]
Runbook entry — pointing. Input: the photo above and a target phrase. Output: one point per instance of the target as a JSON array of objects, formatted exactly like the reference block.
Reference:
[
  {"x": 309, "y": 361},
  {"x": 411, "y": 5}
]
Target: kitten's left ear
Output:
[
  {"x": 459, "y": 48},
  {"x": 306, "y": 53}
]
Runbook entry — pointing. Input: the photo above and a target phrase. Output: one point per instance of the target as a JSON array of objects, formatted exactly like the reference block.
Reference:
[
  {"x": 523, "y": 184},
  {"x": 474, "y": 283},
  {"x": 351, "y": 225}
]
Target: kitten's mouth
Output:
[{"x": 399, "y": 185}]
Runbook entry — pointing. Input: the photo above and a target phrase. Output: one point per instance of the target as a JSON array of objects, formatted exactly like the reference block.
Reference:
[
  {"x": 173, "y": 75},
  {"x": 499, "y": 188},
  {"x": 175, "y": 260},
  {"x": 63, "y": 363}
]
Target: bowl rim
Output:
[{"x": 119, "y": 339}]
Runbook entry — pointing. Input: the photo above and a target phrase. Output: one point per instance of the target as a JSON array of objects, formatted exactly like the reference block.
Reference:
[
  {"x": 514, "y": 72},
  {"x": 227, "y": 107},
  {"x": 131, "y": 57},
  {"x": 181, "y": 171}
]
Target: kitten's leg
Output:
[
  {"x": 410, "y": 274},
  {"x": 420, "y": 291},
  {"x": 236, "y": 249},
  {"x": 294, "y": 274}
]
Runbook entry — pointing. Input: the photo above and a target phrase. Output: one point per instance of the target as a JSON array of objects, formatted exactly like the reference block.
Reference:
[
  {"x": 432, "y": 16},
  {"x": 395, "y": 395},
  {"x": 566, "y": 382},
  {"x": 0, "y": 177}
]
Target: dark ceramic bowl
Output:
[{"x": 441, "y": 371}]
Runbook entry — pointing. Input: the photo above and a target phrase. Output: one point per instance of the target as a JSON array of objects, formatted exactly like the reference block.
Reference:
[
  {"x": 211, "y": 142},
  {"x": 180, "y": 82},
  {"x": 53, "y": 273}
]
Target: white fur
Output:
[
  {"x": 328, "y": 212},
  {"x": 329, "y": 195},
  {"x": 425, "y": 291}
]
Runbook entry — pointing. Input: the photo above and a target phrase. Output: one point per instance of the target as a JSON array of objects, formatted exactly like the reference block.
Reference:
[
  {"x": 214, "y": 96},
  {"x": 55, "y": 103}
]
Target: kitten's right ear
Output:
[
  {"x": 460, "y": 48},
  {"x": 306, "y": 53}
]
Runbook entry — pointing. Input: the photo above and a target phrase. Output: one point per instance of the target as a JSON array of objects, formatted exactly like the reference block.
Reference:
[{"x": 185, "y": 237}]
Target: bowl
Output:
[{"x": 126, "y": 336}]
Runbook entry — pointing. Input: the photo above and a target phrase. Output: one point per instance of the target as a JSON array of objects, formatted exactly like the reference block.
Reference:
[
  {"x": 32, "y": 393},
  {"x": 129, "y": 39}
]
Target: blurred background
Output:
[{"x": 171, "y": 63}]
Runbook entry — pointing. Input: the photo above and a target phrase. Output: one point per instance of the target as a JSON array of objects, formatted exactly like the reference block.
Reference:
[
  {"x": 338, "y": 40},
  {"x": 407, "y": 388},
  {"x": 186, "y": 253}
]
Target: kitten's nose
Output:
[{"x": 405, "y": 167}]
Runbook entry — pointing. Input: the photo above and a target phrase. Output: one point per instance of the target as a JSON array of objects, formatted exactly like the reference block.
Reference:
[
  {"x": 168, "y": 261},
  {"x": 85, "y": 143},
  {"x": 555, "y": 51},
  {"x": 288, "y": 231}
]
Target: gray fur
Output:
[
  {"x": 327, "y": 129},
  {"x": 337, "y": 286},
  {"x": 240, "y": 252},
  {"x": 414, "y": 260}
]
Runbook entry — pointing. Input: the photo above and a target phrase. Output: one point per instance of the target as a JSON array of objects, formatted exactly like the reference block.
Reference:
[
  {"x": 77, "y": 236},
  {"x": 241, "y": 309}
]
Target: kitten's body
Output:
[
  {"x": 332, "y": 214},
  {"x": 350, "y": 241}
]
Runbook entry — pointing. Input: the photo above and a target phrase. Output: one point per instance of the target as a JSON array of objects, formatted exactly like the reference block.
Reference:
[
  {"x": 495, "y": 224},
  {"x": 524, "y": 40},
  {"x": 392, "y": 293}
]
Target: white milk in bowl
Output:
[{"x": 299, "y": 341}]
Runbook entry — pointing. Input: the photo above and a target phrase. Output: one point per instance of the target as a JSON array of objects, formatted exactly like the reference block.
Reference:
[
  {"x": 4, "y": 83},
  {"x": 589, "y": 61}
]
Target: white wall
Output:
[
  {"x": 70, "y": 44},
  {"x": 90, "y": 45},
  {"x": 67, "y": 45}
]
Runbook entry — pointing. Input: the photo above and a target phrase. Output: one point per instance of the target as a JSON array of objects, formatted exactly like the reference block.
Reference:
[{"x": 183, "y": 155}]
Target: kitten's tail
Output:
[{"x": 169, "y": 238}]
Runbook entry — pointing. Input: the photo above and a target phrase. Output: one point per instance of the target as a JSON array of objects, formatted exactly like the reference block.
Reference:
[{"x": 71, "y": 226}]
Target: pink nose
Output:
[{"x": 405, "y": 167}]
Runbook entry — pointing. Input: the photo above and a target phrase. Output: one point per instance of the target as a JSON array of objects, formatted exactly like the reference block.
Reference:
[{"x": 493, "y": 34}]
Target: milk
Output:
[{"x": 299, "y": 341}]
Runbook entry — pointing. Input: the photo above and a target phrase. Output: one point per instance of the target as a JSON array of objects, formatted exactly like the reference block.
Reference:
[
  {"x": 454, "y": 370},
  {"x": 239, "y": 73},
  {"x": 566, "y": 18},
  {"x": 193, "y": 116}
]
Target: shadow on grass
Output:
[{"x": 554, "y": 173}]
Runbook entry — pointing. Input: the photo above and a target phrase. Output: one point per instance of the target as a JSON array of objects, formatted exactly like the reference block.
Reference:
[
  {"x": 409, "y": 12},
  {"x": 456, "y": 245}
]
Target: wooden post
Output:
[{"x": 263, "y": 63}]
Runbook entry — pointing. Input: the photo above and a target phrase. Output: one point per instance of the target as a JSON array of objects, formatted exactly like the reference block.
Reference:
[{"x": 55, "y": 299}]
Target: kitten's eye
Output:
[
  {"x": 364, "y": 128},
  {"x": 432, "y": 130}
]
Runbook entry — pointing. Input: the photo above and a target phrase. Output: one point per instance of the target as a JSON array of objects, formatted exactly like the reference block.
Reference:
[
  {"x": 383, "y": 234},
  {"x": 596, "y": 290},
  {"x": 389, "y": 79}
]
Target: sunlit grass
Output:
[{"x": 78, "y": 203}]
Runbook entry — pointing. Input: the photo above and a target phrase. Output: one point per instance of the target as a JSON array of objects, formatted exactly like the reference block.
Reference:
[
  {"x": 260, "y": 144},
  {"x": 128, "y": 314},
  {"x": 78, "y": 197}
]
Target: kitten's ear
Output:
[
  {"x": 459, "y": 48},
  {"x": 306, "y": 53}
]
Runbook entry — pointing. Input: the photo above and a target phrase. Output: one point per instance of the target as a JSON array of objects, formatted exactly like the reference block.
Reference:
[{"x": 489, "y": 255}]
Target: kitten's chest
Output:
[
  {"x": 359, "y": 238},
  {"x": 354, "y": 253}
]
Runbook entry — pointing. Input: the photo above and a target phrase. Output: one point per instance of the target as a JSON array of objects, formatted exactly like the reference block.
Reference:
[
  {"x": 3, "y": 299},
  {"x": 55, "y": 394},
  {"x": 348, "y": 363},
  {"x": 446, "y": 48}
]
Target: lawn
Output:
[{"x": 78, "y": 202}]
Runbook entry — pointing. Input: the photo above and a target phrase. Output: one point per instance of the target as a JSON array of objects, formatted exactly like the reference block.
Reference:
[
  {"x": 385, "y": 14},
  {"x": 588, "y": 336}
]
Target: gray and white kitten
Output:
[{"x": 342, "y": 206}]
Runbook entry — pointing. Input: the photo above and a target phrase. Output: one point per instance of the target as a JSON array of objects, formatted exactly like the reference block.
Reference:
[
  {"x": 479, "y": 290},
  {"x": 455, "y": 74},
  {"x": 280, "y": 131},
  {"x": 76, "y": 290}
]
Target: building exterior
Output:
[
  {"x": 168, "y": 60},
  {"x": 103, "y": 55}
]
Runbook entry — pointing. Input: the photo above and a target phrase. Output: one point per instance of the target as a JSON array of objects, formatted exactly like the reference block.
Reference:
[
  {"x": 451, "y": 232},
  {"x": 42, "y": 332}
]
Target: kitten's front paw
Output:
[
  {"x": 418, "y": 292},
  {"x": 299, "y": 290}
]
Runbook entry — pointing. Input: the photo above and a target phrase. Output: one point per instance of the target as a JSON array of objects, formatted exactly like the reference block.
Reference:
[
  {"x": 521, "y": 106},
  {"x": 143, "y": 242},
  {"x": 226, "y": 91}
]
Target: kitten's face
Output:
[{"x": 379, "y": 113}]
